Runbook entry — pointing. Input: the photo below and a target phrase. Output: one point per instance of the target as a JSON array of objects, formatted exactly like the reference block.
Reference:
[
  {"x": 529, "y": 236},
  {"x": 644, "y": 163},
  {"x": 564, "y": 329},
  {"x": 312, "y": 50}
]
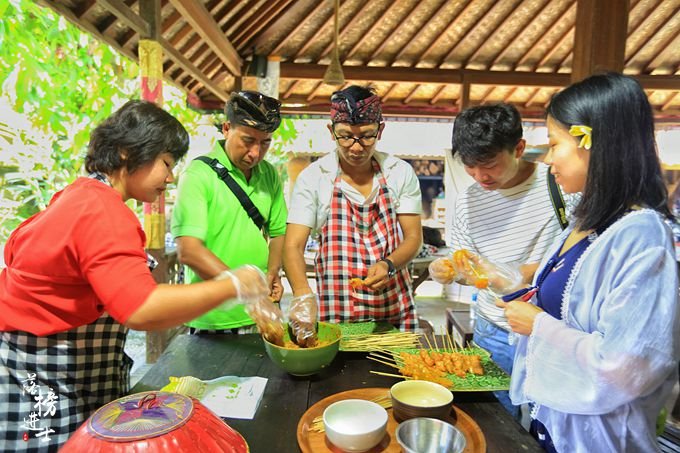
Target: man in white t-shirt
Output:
[
  {"x": 365, "y": 207},
  {"x": 506, "y": 216}
]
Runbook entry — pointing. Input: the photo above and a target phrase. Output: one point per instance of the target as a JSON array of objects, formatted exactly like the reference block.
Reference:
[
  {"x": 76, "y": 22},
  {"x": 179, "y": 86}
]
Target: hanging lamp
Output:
[{"x": 334, "y": 75}]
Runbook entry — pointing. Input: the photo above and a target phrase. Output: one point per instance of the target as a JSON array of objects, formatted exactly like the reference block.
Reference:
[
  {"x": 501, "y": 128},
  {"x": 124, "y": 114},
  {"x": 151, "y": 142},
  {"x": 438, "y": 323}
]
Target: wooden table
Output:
[
  {"x": 459, "y": 324},
  {"x": 286, "y": 398}
]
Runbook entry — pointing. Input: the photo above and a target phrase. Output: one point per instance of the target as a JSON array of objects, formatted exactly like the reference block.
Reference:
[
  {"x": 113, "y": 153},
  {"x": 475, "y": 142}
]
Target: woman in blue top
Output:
[{"x": 599, "y": 342}]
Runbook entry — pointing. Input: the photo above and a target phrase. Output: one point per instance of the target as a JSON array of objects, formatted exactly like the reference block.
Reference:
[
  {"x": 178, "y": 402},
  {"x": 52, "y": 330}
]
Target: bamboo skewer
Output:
[
  {"x": 390, "y": 375},
  {"x": 427, "y": 339},
  {"x": 386, "y": 357},
  {"x": 383, "y": 362},
  {"x": 381, "y": 341}
]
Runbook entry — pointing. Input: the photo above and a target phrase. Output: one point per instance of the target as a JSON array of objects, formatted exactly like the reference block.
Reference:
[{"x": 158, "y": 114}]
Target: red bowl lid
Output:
[{"x": 140, "y": 416}]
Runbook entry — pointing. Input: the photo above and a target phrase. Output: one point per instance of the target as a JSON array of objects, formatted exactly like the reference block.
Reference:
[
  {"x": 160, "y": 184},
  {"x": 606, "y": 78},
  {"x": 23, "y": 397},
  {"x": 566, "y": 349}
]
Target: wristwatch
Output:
[{"x": 391, "y": 270}]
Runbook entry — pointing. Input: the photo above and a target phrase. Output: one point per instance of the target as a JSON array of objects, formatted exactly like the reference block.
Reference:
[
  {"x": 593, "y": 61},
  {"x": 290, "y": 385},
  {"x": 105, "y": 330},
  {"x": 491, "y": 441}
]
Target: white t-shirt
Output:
[
  {"x": 515, "y": 225},
  {"x": 311, "y": 199}
]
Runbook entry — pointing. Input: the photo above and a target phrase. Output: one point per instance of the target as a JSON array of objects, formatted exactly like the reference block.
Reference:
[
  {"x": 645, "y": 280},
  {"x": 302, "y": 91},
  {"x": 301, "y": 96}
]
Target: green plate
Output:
[
  {"x": 494, "y": 377},
  {"x": 363, "y": 328}
]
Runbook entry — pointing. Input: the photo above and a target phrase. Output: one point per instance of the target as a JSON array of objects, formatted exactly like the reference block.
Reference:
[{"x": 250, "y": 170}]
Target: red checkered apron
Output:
[{"x": 354, "y": 238}]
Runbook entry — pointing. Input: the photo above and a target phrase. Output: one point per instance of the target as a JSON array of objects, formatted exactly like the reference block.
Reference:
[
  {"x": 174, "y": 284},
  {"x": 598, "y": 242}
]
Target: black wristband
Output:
[{"x": 391, "y": 270}]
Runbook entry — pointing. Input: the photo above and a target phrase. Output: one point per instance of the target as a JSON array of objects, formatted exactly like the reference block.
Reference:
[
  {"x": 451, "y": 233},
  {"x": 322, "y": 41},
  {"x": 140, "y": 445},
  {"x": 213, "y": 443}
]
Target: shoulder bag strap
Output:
[
  {"x": 246, "y": 202},
  {"x": 557, "y": 200}
]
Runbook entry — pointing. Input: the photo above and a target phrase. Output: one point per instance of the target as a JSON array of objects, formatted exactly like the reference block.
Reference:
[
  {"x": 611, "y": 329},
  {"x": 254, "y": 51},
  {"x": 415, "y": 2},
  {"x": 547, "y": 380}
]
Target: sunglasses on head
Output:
[{"x": 260, "y": 100}]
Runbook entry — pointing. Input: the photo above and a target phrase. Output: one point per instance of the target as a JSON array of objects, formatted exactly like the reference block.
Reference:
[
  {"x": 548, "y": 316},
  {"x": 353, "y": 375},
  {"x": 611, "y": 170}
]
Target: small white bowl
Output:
[
  {"x": 355, "y": 425},
  {"x": 416, "y": 398}
]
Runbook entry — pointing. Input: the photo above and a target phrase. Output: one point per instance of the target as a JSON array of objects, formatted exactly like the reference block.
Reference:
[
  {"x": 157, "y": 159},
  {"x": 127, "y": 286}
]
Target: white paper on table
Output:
[{"x": 233, "y": 396}]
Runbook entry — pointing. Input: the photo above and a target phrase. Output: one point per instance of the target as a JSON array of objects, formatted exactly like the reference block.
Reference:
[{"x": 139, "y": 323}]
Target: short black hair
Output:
[
  {"x": 482, "y": 132},
  {"x": 624, "y": 169},
  {"x": 357, "y": 92},
  {"x": 142, "y": 130}
]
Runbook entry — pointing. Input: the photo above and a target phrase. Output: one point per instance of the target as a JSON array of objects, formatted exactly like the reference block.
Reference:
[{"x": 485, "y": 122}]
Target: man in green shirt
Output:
[{"x": 213, "y": 231}]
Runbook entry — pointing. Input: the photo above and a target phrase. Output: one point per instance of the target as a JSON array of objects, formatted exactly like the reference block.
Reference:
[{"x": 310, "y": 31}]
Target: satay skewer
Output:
[{"x": 383, "y": 362}]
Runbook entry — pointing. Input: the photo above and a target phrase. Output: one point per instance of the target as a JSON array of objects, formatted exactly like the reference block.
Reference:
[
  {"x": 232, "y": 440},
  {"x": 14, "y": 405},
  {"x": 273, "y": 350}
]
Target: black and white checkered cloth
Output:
[
  {"x": 50, "y": 385},
  {"x": 235, "y": 331}
]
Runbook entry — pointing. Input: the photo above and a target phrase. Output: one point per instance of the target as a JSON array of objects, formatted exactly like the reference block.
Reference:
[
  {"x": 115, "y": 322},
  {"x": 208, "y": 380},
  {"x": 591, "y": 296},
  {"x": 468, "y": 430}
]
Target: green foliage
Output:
[{"x": 57, "y": 82}]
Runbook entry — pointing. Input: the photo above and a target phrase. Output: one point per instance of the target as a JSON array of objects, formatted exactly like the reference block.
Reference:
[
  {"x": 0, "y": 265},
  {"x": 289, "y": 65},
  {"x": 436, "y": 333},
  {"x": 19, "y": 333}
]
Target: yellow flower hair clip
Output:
[{"x": 586, "y": 134}]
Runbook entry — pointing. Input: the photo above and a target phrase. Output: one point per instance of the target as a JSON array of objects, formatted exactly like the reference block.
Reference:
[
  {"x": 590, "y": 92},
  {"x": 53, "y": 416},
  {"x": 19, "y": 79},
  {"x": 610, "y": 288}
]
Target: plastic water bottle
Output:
[{"x": 473, "y": 307}]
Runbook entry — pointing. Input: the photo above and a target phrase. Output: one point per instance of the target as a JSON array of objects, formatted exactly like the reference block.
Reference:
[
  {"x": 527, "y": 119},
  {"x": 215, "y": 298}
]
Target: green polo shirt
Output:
[{"x": 208, "y": 210}]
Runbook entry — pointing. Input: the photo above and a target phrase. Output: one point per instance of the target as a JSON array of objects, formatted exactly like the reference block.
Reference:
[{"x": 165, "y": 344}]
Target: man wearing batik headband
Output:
[
  {"x": 213, "y": 229},
  {"x": 365, "y": 207}
]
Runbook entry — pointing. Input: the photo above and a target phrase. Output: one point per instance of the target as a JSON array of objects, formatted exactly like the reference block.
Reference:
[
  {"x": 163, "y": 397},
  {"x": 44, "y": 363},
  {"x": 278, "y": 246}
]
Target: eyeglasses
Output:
[
  {"x": 260, "y": 100},
  {"x": 348, "y": 142}
]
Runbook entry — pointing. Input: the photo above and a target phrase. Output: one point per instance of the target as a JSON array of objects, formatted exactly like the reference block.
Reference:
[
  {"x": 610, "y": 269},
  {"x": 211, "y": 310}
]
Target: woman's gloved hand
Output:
[
  {"x": 268, "y": 318},
  {"x": 442, "y": 270},
  {"x": 475, "y": 270},
  {"x": 250, "y": 282}
]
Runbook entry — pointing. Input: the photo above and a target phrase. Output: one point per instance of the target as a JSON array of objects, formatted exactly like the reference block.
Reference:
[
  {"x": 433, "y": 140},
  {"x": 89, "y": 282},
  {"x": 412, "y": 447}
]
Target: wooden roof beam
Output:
[
  {"x": 669, "y": 101},
  {"x": 566, "y": 34},
  {"x": 186, "y": 28},
  {"x": 312, "y": 93},
  {"x": 659, "y": 26},
  {"x": 513, "y": 42},
  {"x": 409, "y": 96},
  {"x": 348, "y": 26},
  {"x": 426, "y": 75},
  {"x": 438, "y": 94},
  {"x": 507, "y": 97},
  {"x": 84, "y": 8},
  {"x": 559, "y": 18},
  {"x": 443, "y": 34},
  {"x": 394, "y": 32},
  {"x": 268, "y": 16},
  {"x": 664, "y": 46},
  {"x": 389, "y": 92},
  {"x": 167, "y": 48},
  {"x": 477, "y": 24},
  {"x": 532, "y": 98},
  {"x": 491, "y": 32},
  {"x": 203, "y": 23},
  {"x": 317, "y": 34},
  {"x": 127, "y": 16},
  {"x": 290, "y": 89},
  {"x": 192, "y": 70},
  {"x": 423, "y": 29},
  {"x": 65, "y": 11},
  {"x": 482, "y": 99},
  {"x": 241, "y": 14},
  {"x": 376, "y": 24},
  {"x": 637, "y": 29},
  {"x": 300, "y": 23}
]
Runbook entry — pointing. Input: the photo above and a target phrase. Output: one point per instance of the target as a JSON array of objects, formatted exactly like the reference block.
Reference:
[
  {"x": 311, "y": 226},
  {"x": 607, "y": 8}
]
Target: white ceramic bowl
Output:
[
  {"x": 355, "y": 425},
  {"x": 429, "y": 435}
]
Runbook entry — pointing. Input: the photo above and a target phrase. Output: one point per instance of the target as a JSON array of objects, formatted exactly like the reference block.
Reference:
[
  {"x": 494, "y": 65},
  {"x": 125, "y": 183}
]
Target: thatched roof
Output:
[{"x": 425, "y": 57}]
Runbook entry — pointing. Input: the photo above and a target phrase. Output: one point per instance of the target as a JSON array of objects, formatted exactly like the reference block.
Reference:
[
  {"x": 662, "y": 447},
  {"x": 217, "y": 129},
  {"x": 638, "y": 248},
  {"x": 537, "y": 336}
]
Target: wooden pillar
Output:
[
  {"x": 600, "y": 37},
  {"x": 151, "y": 71},
  {"x": 464, "y": 99}
]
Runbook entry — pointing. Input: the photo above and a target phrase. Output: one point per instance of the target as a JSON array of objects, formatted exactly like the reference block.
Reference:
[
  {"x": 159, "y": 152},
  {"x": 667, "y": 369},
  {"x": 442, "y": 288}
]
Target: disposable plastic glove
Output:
[
  {"x": 443, "y": 271},
  {"x": 302, "y": 318},
  {"x": 268, "y": 318},
  {"x": 475, "y": 270},
  {"x": 249, "y": 281}
]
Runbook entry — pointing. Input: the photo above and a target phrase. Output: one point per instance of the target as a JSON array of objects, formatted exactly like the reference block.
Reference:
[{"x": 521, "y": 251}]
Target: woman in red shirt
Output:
[{"x": 77, "y": 278}]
